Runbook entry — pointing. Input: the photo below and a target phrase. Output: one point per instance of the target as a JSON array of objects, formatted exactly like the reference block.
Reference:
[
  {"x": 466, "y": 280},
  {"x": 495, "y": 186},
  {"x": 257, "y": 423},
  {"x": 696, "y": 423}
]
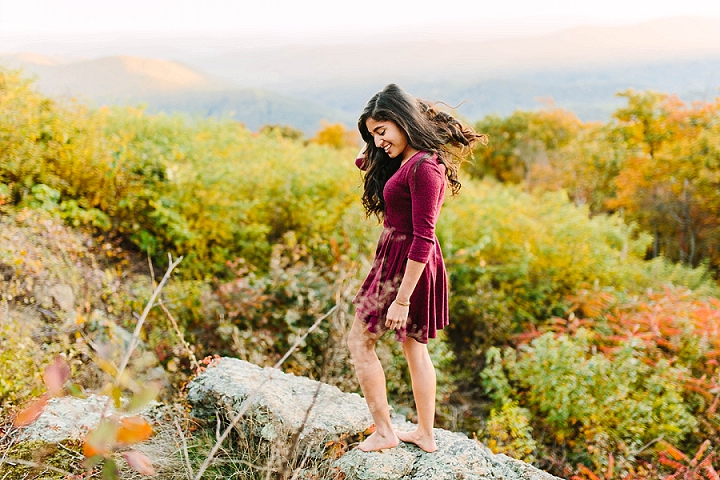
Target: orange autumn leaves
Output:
[
  {"x": 656, "y": 163},
  {"x": 114, "y": 433},
  {"x": 670, "y": 182},
  {"x": 54, "y": 377}
]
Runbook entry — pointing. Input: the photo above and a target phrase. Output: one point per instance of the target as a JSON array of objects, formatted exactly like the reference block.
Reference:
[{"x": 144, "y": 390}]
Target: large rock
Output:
[
  {"x": 457, "y": 457},
  {"x": 280, "y": 407},
  {"x": 66, "y": 418},
  {"x": 70, "y": 418}
]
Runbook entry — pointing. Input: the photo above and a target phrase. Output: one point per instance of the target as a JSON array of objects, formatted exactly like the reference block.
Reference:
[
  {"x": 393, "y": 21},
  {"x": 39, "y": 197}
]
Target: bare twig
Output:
[
  {"x": 298, "y": 470},
  {"x": 271, "y": 461},
  {"x": 148, "y": 307},
  {"x": 255, "y": 467},
  {"x": 648, "y": 444},
  {"x": 152, "y": 270},
  {"x": 193, "y": 360},
  {"x": 74, "y": 453},
  {"x": 185, "y": 449},
  {"x": 296, "y": 437},
  {"x": 13, "y": 437},
  {"x": 138, "y": 327},
  {"x": 251, "y": 398},
  {"x": 218, "y": 424}
]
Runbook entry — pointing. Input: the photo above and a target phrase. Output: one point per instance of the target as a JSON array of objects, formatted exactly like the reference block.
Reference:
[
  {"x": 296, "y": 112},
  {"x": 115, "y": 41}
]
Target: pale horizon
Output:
[{"x": 326, "y": 20}]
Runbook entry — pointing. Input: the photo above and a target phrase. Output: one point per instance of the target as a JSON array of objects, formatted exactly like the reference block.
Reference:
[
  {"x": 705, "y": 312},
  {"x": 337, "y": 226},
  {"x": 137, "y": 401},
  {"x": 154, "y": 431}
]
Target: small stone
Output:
[{"x": 63, "y": 296}]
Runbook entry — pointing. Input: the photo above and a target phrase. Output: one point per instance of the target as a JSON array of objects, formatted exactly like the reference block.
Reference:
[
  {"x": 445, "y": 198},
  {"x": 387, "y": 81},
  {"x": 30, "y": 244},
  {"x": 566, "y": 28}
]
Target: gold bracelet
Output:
[{"x": 402, "y": 304}]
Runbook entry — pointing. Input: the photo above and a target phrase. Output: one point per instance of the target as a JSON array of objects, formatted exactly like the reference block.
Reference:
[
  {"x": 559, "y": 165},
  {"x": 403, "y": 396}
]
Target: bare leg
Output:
[
  {"x": 371, "y": 376},
  {"x": 422, "y": 373}
]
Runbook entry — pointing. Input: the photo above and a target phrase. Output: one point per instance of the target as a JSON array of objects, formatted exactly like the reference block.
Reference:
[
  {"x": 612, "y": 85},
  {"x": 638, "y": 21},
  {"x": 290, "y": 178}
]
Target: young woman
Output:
[{"x": 411, "y": 153}]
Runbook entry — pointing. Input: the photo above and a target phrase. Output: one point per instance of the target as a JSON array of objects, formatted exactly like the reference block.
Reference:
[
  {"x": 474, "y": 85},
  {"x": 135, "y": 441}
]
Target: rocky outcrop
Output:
[
  {"x": 70, "y": 418},
  {"x": 283, "y": 406},
  {"x": 457, "y": 457},
  {"x": 66, "y": 418},
  {"x": 287, "y": 404}
]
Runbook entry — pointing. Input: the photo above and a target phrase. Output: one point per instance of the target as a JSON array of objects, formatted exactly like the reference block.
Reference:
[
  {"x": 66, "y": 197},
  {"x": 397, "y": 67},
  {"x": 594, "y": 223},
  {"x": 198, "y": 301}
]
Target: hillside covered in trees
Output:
[{"x": 583, "y": 260}]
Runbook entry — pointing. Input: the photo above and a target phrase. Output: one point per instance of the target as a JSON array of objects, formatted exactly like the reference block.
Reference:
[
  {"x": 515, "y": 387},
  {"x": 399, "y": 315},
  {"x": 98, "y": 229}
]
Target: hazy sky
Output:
[{"x": 319, "y": 17}]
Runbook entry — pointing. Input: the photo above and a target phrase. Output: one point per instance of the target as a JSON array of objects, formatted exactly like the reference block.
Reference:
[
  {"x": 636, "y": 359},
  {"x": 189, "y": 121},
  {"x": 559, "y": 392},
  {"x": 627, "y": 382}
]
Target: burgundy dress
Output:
[{"x": 413, "y": 197}]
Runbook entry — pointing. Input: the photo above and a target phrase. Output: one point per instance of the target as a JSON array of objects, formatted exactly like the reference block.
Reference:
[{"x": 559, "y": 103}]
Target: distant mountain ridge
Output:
[
  {"x": 111, "y": 76},
  {"x": 580, "y": 69},
  {"x": 166, "y": 86},
  {"x": 251, "y": 106}
]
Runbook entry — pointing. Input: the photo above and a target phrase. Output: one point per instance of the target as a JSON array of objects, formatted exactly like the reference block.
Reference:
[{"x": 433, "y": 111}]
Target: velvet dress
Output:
[{"x": 413, "y": 198}]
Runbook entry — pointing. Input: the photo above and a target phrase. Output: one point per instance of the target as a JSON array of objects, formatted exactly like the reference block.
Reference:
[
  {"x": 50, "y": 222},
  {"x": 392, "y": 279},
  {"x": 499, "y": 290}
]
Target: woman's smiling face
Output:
[{"x": 388, "y": 136}]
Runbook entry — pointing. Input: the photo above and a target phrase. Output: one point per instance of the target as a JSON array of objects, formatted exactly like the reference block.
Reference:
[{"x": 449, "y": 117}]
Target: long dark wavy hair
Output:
[{"x": 426, "y": 128}]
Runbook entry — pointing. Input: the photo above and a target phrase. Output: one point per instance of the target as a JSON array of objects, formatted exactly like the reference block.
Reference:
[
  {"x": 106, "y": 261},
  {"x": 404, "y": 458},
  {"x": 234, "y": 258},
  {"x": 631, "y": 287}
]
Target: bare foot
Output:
[
  {"x": 424, "y": 441},
  {"x": 379, "y": 442}
]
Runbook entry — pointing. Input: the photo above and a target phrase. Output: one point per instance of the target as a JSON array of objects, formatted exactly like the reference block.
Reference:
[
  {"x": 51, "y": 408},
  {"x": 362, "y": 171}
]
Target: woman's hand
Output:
[{"x": 397, "y": 316}]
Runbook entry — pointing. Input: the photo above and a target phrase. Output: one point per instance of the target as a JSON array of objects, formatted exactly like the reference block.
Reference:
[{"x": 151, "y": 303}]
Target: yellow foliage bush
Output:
[
  {"x": 508, "y": 431},
  {"x": 337, "y": 136},
  {"x": 514, "y": 258}
]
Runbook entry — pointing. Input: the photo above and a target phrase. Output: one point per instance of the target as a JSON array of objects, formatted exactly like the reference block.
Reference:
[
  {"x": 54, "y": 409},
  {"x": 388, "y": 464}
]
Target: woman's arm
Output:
[{"x": 398, "y": 314}]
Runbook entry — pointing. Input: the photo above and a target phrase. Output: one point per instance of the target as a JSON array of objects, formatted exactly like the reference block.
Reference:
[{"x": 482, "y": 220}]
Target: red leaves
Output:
[
  {"x": 31, "y": 413},
  {"x": 712, "y": 474},
  {"x": 586, "y": 472},
  {"x": 99, "y": 441},
  {"x": 688, "y": 468},
  {"x": 337, "y": 448},
  {"x": 672, "y": 451},
  {"x": 54, "y": 377},
  {"x": 115, "y": 433},
  {"x": 670, "y": 463},
  {"x": 665, "y": 322},
  {"x": 139, "y": 462},
  {"x": 611, "y": 467},
  {"x": 701, "y": 451}
]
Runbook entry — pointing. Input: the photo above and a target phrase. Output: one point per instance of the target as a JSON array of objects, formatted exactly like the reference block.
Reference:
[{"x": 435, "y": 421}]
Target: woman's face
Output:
[{"x": 388, "y": 136}]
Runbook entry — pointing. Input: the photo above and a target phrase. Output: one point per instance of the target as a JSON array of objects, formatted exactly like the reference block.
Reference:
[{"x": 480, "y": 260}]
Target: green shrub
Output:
[
  {"x": 208, "y": 190},
  {"x": 590, "y": 403},
  {"x": 514, "y": 258},
  {"x": 508, "y": 431}
]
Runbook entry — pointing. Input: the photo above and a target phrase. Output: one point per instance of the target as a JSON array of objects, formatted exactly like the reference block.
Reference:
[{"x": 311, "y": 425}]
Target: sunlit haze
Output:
[{"x": 318, "y": 19}]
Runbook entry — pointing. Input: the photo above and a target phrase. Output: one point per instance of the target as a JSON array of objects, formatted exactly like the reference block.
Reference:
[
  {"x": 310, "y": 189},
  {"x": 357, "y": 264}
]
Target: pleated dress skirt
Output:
[{"x": 429, "y": 301}]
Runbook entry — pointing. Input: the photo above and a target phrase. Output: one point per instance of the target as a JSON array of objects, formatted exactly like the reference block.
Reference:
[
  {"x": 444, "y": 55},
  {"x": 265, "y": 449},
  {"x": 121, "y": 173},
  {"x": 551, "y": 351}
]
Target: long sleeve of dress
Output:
[
  {"x": 427, "y": 189},
  {"x": 360, "y": 162}
]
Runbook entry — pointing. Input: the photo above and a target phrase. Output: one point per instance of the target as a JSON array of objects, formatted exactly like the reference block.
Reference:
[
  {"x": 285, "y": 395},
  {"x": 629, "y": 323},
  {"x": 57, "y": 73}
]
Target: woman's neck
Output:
[{"x": 408, "y": 154}]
